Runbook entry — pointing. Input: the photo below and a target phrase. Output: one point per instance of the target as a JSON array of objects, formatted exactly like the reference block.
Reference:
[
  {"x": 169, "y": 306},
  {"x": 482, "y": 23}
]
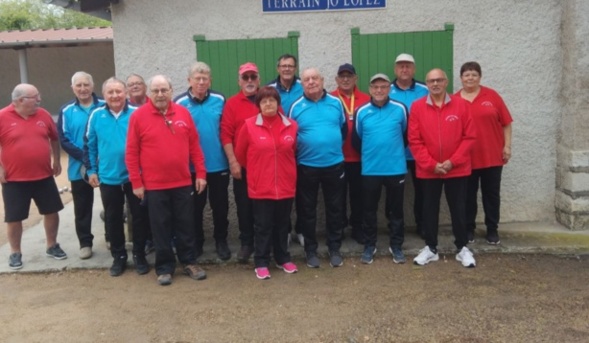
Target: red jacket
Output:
[
  {"x": 269, "y": 157},
  {"x": 360, "y": 98},
  {"x": 159, "y": 148},
  {"x": 438, "y": 134},
  {"x": 237, "y": 109}
]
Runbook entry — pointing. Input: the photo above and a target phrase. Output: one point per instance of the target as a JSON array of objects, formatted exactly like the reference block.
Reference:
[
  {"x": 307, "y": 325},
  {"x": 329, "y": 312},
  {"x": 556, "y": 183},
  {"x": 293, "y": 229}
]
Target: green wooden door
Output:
[
  {"x": 376, "y": 53},
  {"x": 225, "y": 56}
]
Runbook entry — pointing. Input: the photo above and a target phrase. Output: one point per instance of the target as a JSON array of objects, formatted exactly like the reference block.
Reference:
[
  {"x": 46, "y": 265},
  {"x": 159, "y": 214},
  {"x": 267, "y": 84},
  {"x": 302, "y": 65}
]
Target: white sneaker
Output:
[
  {"x": 425, "y": 256},
  {"x": 85, "y": 253},
  {"x": 466, "y": 258},
  {"x": 301, "y": 239}
]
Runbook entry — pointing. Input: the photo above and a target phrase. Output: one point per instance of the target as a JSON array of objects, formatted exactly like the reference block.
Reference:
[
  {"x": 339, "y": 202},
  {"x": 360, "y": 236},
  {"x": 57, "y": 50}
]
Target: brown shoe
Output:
[
  {"x": 195, "y": 272},
  {"x": 164, "y": 279}
]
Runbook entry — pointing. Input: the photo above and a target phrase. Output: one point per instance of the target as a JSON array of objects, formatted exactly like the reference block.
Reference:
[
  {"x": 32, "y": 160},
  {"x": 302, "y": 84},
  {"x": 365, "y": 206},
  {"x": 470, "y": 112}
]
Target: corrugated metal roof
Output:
[{"x": 53, "y": 37}]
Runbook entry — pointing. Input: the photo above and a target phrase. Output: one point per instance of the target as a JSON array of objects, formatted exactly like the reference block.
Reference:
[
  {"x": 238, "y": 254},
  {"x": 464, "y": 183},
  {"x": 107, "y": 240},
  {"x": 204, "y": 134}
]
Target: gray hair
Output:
[
  {"x": 136, "y": 75},
  {"x": 113, "y": 80},
  {"x": 199, "y": 67},
  {"x": 80, "y": 74},
  {"x": 168, "y": 80},
  {"x": 18, "y": 92}
]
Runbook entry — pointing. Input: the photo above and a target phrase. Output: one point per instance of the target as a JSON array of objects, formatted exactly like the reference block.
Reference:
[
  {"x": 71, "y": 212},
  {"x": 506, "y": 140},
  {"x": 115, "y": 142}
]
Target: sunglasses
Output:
[{"x": 250, "y": 77}]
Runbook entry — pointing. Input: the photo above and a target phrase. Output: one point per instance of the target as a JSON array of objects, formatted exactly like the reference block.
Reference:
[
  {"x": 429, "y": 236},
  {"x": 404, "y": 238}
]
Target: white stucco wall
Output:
[
  {"x": 51, "y": 69},
  {"x": 516, "y": 42}
]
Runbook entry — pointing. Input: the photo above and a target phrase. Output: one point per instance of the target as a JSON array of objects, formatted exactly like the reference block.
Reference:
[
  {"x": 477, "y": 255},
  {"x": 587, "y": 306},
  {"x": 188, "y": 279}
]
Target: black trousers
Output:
[
  {"x": 394, "y": 188},
  {"x": 218, "y": 196},
  {"x": 331, "y": 179},
  {"x": 245, "y": 216},
  {"x": 83, "y": 197},
  {"x": 171, "y": 214},
  {"x": 490, "y": 180},
  {"x": 455, "y": 189},
  {"x": 418, "y": 197},
  {"x": 353, "y": 190},
  {"x": 113, "y": 201},
  {"x": 271, "y": 229}
]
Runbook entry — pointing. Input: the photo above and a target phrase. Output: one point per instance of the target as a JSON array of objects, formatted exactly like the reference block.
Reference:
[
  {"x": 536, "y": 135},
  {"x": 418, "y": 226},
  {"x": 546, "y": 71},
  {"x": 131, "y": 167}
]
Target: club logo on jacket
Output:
[
  {"x": 41, "y": 124},
  {"x": 288, "y": 138},
  {"x": 180, "y": 123},
  {"x": 487, "y": 103},
  {"x": 451, "y": 117}
]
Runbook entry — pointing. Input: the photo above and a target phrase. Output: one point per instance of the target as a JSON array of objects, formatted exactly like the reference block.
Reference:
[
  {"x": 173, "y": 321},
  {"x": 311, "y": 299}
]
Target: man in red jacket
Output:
[
  {"x": 441, "y": 135},
  {"x": 161, "y": 136}
]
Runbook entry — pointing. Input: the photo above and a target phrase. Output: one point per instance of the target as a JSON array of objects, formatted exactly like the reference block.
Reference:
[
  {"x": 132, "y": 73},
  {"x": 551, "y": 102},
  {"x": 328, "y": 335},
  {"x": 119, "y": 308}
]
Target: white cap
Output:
[
  {"x": 380, "y": 76},
  {"x": 405, "y": 58}
]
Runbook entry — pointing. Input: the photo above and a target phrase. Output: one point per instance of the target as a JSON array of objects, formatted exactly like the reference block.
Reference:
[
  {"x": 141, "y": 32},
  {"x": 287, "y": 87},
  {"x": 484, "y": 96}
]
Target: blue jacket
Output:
[
  {"x": 106, "y": 139},
  {"x": 322, "y": 129},
  {"x": 407, "y": 97},
  {"x": 288, "y": 96},
  {"x": 206, "y": 115},
  {"x": 71, "y": 126},
  {"x": 379, "y": 136}
]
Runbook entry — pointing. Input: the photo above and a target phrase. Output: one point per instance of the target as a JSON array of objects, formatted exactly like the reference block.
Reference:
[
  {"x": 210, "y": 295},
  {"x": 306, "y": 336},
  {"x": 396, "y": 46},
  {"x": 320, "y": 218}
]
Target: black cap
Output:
[{"x": 346, "y": 67}]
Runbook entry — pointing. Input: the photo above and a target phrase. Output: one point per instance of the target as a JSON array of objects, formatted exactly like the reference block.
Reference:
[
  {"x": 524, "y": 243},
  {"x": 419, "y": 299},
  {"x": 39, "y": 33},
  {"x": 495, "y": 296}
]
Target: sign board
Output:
[{"x": 274, "y": 6}]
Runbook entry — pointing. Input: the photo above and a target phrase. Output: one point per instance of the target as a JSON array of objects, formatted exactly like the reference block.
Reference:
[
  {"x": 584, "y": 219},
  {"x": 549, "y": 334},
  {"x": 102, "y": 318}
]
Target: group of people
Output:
[{"x": 165, "y": 157}]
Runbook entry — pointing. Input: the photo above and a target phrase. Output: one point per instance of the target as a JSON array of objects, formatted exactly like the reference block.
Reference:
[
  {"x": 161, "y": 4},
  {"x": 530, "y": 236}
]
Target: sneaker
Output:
[
  {"x": 223, "y": 250},
  {"x": 141, "y": 265},
  {"x": 119, "y": 264},
  {"x": 56, "y": 252},
  {"x": 493, "y": 237},
  {"x": 244, "y": 254},
  {"x": 398, "y": 256},
  {"x": 368, "y": 255},
  {"x": 195, "y": 272},
  {"x": 425, "y": 256},
  {"x": 301, "y": 239},
  {"x": 335, "y": 259},
  {"x": 470, "y": 237},
  {"x": 466, "y": 258},
  {"x": 288, "y": 267},
  {"x": 15, "y": 261},
  {"x": 149, "y": 247},
  {"x": 85, "y": 253},
  {"x": 164, "y": 279},
  {"x": 262, "y": 273},
  {"x": 312, "y": 259}
]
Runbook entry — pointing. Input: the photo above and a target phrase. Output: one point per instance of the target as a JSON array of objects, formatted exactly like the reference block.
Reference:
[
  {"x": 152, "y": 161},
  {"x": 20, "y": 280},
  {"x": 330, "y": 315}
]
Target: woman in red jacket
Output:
[
  {"x": 492, "y": 149},
  {"x": 266, "y": 147}
]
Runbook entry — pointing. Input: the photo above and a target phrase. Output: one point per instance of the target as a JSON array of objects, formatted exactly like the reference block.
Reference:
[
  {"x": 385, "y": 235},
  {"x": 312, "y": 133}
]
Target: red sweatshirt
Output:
[
  {"x": 159, "y": 148},
  {"x": 442, "y": 133},
  {"x": 266, "y": 148},
  {"x": 237, "y": 109},
  {"x": 360, "y": 98}
]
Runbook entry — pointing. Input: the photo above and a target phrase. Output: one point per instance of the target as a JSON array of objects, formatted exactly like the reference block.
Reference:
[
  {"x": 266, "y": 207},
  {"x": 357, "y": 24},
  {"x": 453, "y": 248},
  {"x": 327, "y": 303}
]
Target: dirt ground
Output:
[{"x": 507, "y": 298}]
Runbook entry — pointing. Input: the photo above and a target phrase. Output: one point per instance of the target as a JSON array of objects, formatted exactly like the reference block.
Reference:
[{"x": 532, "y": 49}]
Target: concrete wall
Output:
[
  {"x": 51, "y": 69},
  {"x": 516, "y": 42}
]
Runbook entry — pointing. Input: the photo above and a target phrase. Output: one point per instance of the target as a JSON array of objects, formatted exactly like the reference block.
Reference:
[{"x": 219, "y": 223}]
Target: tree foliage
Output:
[{"x": 34, "y": 14}]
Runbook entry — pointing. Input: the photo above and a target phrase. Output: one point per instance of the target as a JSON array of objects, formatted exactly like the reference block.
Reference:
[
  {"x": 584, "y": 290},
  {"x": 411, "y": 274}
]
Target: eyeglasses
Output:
[
  {"x": 200, "y": 79},
  {"x": 287, "y": 66},
  {"x": 250, "y": 77},
  {"x": 36, "y": 96},
  {"x": 432, "y": 81},
  {"x": 133, "y": 84},
  {"x": 346, "y": 77},
  {"x": 380, "y": 87},
  {"x": 164, "y": 91}
]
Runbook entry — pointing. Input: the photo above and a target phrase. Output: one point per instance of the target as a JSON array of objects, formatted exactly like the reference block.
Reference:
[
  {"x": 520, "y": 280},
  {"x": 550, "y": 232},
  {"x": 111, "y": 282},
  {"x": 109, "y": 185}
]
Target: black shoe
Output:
[
  {"x": 358, "y": 237},
  {"x": 244, "y": 254},
  {"x": 312, "y": 259},
  {"x": 493, "y": 237},
  {"x": 223, "y": 250},
  {"x": 141, "y": 265},
  {"x": 15, "y": 261},
  {"x": 119, "y": 264},
  {"x": 335, "y": 259}
]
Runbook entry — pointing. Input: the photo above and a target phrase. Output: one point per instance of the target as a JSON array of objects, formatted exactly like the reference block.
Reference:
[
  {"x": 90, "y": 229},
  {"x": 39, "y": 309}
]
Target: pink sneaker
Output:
[
  {"x": 262, "y": 273},
  {"x": 288, "y": 267}
]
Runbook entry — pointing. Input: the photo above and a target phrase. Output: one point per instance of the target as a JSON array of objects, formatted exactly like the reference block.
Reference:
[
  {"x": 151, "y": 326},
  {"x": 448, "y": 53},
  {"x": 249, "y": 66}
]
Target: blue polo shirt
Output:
[
  {"x": 288, "y": 96},
  {"x": 407, "y": 97}
]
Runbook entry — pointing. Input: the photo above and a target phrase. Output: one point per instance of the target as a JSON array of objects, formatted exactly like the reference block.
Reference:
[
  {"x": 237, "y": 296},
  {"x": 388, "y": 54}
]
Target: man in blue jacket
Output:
[
  {"x": 106, "y": 138},
  {"x": 71, "y": 127},
  {"x": 322, "y": 130},
  {"x": 206, "y": 108}
]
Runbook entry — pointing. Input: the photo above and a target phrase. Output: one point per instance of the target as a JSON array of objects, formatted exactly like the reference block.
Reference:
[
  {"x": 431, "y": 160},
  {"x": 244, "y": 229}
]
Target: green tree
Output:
[{"x": 34, "y": 14}]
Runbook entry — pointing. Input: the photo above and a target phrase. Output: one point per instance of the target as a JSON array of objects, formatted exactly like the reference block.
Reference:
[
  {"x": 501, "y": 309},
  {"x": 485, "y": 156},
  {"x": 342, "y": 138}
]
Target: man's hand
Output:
[
  {"x": 447, "y": 165},
  {"x": 506, "y": 154},
  {"x": 235, "y": 169},
  {"x": 139, "y": 192},
  {"x": 2, "y": 175},
  {"x": 439, "y": 169},
  {"x": 93, "y": 180},
  {"x": 200, "y": 185},
  {"x": 56, "y": 168}
]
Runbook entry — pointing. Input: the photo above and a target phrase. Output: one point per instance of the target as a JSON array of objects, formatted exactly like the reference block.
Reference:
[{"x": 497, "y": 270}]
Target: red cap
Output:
[{"x": 249, "y": 66}]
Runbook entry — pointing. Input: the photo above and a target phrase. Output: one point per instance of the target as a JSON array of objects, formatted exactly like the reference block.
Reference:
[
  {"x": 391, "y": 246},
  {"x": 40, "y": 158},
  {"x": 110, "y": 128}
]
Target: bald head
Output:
[
  {"x": 436, "y": 81},
  {"x": 160, "y": 91},
  {"x": 26, "y": 99},
  {"x": 312, "y": 81}
]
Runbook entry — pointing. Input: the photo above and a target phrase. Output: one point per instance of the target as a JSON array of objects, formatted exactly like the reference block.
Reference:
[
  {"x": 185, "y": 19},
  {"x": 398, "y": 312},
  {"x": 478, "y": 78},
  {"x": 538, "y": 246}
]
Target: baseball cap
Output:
[
  {"x": 346, "y": 67},
  {"x": 405, "y": 58},
  {"x": 249, "y": 66},
  {"x": 380, "y": 76}
]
